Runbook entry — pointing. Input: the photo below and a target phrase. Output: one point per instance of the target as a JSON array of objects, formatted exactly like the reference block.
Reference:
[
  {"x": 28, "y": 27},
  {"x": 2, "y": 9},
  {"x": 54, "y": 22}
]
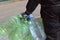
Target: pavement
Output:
[{"x": 11, "y": 9}]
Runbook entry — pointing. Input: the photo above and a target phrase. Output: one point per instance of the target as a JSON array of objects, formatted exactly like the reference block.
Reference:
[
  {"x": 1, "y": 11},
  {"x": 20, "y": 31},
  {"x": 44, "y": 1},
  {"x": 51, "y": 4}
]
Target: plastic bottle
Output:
[{"x": 36, "y": 29}]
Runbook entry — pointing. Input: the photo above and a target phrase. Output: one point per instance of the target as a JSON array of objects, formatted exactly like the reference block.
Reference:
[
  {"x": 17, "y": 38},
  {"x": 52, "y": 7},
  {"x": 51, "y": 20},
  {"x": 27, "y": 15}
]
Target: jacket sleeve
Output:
[{"x": 31, "y": 5}]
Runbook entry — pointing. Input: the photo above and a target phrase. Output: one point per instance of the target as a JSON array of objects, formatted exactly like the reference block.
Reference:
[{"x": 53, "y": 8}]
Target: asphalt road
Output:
[{"x": 10, "y": 9}]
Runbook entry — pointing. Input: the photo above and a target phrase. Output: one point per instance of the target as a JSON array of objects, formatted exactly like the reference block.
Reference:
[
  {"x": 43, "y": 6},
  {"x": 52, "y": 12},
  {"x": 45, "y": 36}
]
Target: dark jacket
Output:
[
  {"x": 50, "y": 13},
  {"x": 50, "y": 4}
]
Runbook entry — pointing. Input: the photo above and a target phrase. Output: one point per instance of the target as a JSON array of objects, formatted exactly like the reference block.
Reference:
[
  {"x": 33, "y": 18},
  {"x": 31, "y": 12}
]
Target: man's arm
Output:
[{"x": 31, "y": 5}]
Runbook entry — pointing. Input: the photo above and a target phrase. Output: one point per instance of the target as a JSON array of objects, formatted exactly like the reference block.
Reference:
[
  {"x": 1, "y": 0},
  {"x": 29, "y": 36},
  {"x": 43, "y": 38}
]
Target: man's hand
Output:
[
  {"x": 24, "y": 14},
  {"x": 28, "y": 15}
]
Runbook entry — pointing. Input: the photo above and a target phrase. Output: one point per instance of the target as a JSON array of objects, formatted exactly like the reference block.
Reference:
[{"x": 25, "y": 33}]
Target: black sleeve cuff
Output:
[{"x": 28, "y": 13}]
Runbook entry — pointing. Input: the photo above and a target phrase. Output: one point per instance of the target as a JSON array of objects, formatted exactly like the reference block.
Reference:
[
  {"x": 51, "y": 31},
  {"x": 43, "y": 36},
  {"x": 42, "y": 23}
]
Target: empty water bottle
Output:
[{"x": 36, "y": 29}]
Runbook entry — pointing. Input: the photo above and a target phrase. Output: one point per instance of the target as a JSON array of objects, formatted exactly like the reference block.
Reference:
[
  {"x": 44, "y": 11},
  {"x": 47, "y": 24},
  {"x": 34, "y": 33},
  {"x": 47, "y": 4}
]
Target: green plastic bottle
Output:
[{"x": 16, "y": 28}]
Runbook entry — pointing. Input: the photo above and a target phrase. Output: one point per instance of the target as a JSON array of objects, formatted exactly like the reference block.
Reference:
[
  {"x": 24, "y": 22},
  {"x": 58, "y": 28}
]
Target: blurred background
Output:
[{"x": 9, "y": 1}]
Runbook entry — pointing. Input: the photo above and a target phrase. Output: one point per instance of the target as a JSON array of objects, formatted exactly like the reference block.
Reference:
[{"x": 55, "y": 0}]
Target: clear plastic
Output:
[{"x": 37, "y": 30}]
